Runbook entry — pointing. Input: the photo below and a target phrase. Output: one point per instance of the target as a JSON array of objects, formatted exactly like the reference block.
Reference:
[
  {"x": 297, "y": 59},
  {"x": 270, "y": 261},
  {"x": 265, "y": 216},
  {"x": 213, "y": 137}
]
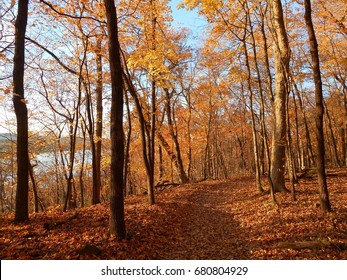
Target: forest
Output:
[{"x": 126, "y": 135}]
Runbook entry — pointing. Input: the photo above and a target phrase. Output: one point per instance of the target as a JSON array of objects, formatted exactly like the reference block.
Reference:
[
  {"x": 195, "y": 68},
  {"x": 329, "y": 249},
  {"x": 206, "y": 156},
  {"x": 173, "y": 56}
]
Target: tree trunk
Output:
[
  {"x": 2, "y": 191},
  {"x": 307, "y": 154},
  {"x": 255, "y": 141},
  {"x": 99, "y": 118},
  {"x": 343, "y": 125},
  {"x": 265, "y": 144},
  {"x": 333, "y": 147},
  {"x": 117, "y": 223},
  {"x": 95, "y": 166},
  {"x": 33, "y": 182},
  {"x": 70, "y": 200},
  {"x": 320, "y": 162},
  {"x": 298, "y": 154},
  {"x": 142, "y": 121},
  {"x": 182, "y": 175},
  {"x": 254, "y": 132},
  {"x": 22, "y": 193},
  {"x": 290, "y": 159},
  {"x": 81, "y": 176},
  {"x": 151, "y": 148},
  {"x": 282, "y": 57},
  {"x": 189, "y": 152},
  {"x": 127, "y": 190},
  {"x": 266, "y": 54}
]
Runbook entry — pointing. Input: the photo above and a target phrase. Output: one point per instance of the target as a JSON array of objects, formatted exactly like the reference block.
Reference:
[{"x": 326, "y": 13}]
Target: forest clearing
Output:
[{"x": 210, "y": 220}]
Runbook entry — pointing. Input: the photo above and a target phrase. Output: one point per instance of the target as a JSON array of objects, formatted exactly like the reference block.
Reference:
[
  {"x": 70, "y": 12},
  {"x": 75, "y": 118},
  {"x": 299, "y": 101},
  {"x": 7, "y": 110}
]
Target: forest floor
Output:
[{"x": 210, "y": 220}]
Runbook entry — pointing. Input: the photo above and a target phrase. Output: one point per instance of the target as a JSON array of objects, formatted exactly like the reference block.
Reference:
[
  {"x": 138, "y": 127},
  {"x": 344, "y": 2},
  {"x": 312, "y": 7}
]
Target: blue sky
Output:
[
  {"x": 189, "y": 19},
  {"x": 186, "y": 18}
]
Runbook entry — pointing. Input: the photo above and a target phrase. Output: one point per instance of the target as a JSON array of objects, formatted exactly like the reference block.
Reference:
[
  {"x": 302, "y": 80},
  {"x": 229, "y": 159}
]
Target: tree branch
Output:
[
  {"x": 72, "y": 71},
  {"x": 70, "y": 16}
]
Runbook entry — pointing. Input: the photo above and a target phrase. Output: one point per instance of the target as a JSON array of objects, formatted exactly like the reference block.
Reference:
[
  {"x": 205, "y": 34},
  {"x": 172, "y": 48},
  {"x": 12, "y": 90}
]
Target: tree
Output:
[
  {"x": 22, "y": 210},
  {"x": 98, "y": 130},
  {"x": 320, "y": 161},
  {"x": 149, "y": 58},
  {"x": 282, "y": 57},
  {"x": 117, "y": 223}
]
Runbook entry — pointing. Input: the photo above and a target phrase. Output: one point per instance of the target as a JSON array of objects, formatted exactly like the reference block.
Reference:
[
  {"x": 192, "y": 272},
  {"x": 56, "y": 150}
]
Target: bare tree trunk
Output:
[
  {"x": 34, "y": 185},
  {"x": 298, "y": 153},
  {"x": 261, "y": 113},
  {"x": 282, "y": 57},
  {"x": 127, "y": 149},
  {"x": 182, "y": 175},
  {"x": 81, "y": 177},
  {"x": 151, "y": 148},
  {"x": 117, "y": 222},
  {"x": 99, "y": 118},
  {"x": 2, "y": 191},
  {"x": 189, "y": 152},
  {"x": 266, "y": 53},
  {"x": 207, "y": 154},
  {"x": 320, "y": 162},
  {"x": 344, "y": 128},
  {"x": 308, "y": 159},
  {"x": 145, "y": 138},
  {"x": 335, "y": 154},
  {"x": 343, "y": 125},
  {"x": 94, "y": 127},
  {"x": 70, "y": 200},
  {"x": 290, "y": 159},
  {"x": 90, "y": 128},
  {"x": 22, "y": 207},
  {"x": 254, "y": 132}
]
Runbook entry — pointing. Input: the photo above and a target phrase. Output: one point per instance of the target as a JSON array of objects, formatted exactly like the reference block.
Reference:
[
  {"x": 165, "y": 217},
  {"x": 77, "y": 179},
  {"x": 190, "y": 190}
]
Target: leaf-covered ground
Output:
[{"x": 210, "y": 220}]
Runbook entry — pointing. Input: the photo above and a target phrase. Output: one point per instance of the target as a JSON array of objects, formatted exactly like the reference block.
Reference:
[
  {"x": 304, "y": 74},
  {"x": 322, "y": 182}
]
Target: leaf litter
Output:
[{"x": 209, "y": 220}]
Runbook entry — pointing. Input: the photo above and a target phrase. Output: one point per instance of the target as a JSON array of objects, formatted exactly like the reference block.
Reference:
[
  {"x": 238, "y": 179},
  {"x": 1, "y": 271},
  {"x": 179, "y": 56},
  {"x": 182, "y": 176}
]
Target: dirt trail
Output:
[
  {"x": 207, "y": 229},
  {"x": 231, "y": 220}
]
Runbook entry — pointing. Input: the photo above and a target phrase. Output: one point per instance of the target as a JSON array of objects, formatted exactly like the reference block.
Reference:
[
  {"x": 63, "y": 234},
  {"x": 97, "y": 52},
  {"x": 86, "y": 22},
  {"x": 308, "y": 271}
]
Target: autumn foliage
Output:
[{"x": 203, "y": 130}]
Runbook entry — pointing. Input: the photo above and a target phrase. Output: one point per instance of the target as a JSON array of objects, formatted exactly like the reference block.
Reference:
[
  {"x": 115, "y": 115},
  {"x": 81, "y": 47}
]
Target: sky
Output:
[{"x": 184, "y": 18}]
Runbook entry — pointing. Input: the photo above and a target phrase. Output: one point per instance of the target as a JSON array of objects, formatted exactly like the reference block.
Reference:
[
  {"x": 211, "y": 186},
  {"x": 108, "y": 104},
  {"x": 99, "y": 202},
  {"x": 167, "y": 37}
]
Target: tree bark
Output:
[
  {"x": 142, "y": 121},
  {"x": 307, "y": 153},
  {"x": 99, "y": 118},
  {"x": 266, "y": 53},
  {"x": 282, "y": 57},
  {"x": 320, "y": 162},
  {"x": 95, "y": 127},
  {"x": 151, "y": 144},
  {"x": 22, "y": 193},
  {"x": 127, "y": 188},
  {"x": 81, "y": 175},
  {"x": 254, "y": 131},
  {"x": 334, "y": 152},
  {"x": 182, "y": 174},
  {"x": 290, "y": 159},
  {"x": 34, "y": 185},
  {"x": 117, "y": 223}
]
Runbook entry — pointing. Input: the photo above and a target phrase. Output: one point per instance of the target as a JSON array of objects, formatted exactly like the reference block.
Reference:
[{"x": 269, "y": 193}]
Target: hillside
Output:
[{"x": 209, "y": 220}]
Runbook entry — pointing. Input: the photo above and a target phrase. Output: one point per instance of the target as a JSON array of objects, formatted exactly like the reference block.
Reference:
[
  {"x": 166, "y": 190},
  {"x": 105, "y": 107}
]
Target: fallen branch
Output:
[
  {"x": 165, "y": 184},
  {"x": 301, "y": 245},
  {"x": 50, "y": 226}
]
